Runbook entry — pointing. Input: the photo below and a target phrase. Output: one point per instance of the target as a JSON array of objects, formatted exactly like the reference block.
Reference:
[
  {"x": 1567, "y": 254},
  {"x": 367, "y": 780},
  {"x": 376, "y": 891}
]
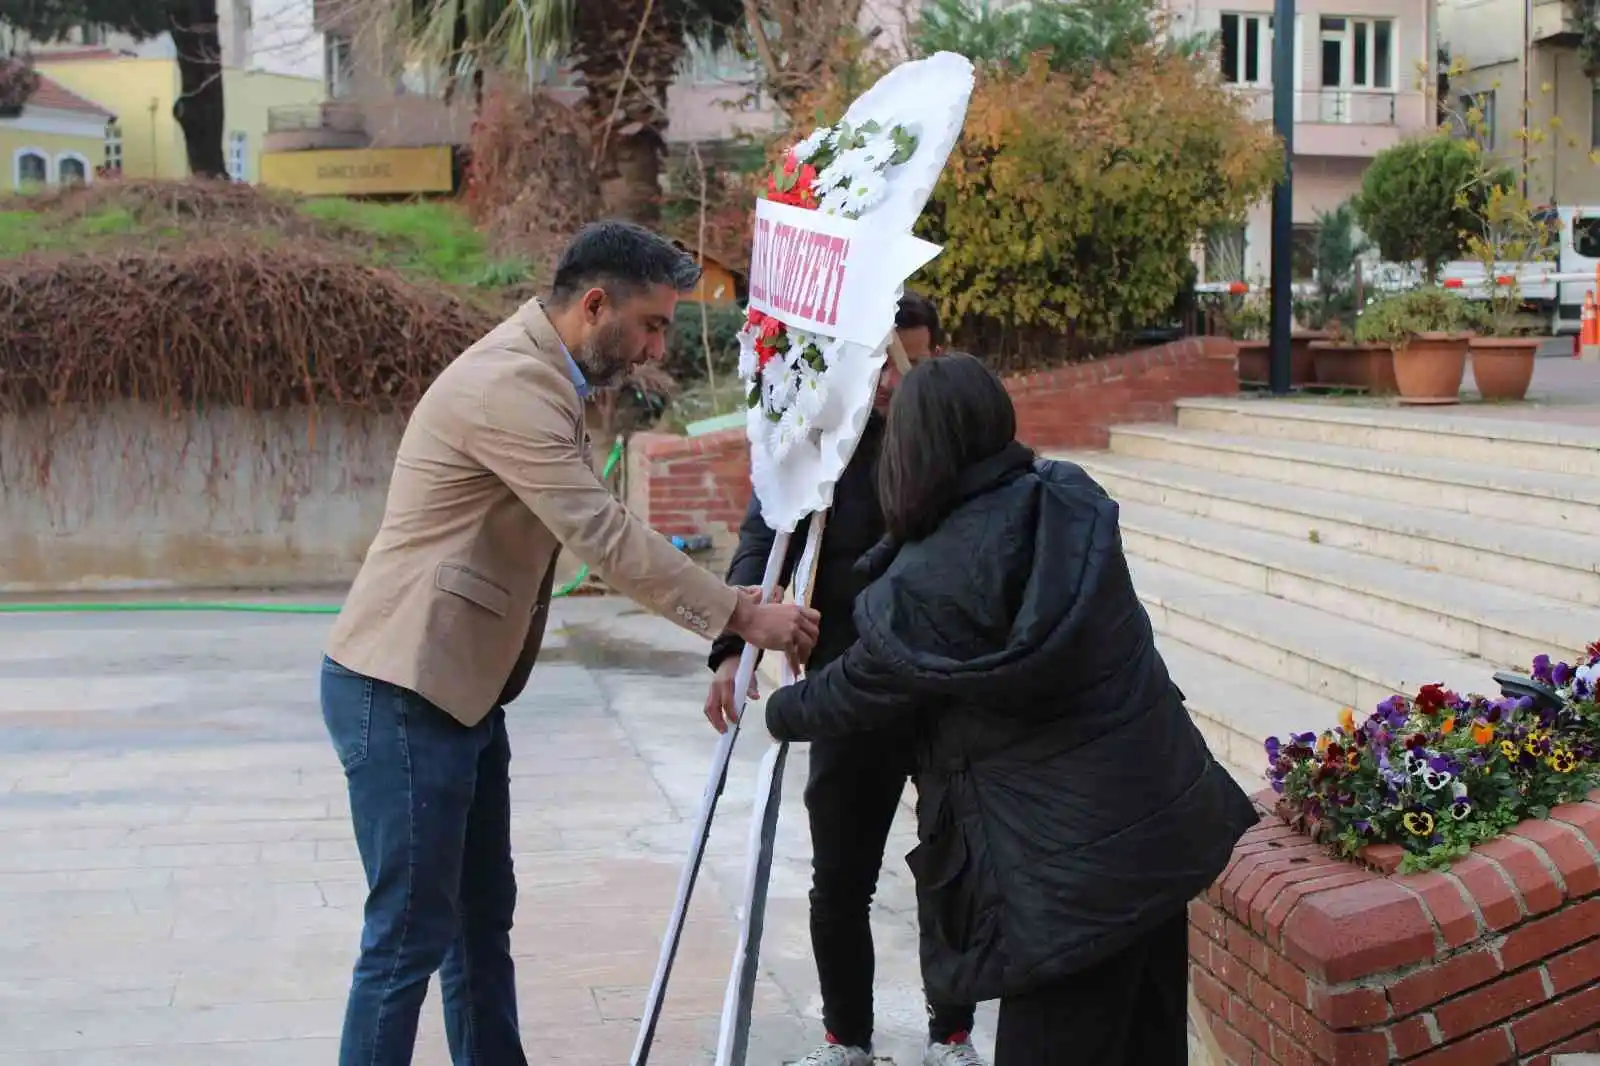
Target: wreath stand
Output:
[{"x": 734, "y": 1034}]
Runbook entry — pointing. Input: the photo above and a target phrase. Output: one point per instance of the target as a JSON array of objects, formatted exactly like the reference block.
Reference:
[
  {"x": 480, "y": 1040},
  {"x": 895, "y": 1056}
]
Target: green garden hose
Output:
[{"x": 113, "y": 606}]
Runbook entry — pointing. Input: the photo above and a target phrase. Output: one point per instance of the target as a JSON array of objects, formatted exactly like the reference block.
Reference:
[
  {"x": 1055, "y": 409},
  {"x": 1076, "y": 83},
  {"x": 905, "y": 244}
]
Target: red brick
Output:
[
  {"x": 1249, "y": 1022},
  {"x": 1361, "y": 929},
  {"x": 1556, "y": 1021},
  {"x": 1206, "y": 918},
  {"x": 1350, "y": 1008},
  {"x": 1525, "y": 866},
  {"x": 1385, "y": 858},
  {"x": 1209, "y": 991},
  {"x": 1271, "y": 1002},
  {"x": 1453, "y": 914},
  {"x": 1289, "y": 979},
  {"x": 1286, "y": 1051},
  {"x": 1410, "y": 1037},
  {"x": 1291, "y": 896},
  {"x": 1489, "y": 1004},
  {"x": 1234, "y": 1045},
  {"x": 1489, "y": 1048},
  {"x": 1230, "y": 970},
  {"x": 1585, "y": 817},
  {"x": 1551, "y": 935},
  {"x": 1575, "y": 968},
  {"x": 1484, "y": 883},
  {"x": 1568, "y": 850},
  {"x": 1431, "y": 984},
  {"x": 1301, "y": 869},
  {"x": 1200, "y": 947}
]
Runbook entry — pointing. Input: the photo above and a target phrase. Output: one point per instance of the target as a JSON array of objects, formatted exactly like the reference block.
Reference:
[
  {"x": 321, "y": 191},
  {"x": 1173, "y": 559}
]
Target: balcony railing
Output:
[
  {"x": 331, "y": 117},
  {"x": 1343, "y": 107}
]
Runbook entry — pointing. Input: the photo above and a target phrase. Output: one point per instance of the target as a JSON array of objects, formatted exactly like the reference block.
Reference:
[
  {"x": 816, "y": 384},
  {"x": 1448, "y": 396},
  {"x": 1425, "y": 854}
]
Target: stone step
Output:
[
  {"x": 1236, "y": 709},
  {"x": 1553, "y": 563},
  {"x": 1440, "y": 434},
  {"x": 1348, "y": 662},
  {"x": 1504, "y": 626},
  {"x": 1556, "y": 501}
]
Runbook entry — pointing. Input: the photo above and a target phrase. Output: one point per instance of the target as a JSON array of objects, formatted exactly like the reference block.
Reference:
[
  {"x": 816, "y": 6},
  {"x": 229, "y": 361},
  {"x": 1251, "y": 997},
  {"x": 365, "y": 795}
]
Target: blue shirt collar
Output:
[{"x": 579, "y": 382}]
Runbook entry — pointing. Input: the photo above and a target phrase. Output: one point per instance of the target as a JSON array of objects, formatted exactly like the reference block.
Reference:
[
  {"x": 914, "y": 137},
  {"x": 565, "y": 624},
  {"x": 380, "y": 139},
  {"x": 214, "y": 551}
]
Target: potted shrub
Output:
[
  {"x": 1510, "y": 234},
  {"x": 1247, "y": 319},
  {"x": 1343, "y": 363},
  {"x": 1427, "y": 329},
  {"x": 1337, "y": 360}
]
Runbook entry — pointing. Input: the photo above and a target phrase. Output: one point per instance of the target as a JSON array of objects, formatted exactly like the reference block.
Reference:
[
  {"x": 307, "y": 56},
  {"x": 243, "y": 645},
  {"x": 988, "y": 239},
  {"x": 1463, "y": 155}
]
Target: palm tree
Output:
[{"x": 627, "y": 51}]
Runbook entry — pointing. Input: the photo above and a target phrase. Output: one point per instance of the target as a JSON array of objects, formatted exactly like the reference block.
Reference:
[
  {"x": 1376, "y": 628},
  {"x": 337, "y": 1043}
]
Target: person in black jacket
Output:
[
  {"x": 855, "y": 782},
  {"x": 1068, "y": 807}
]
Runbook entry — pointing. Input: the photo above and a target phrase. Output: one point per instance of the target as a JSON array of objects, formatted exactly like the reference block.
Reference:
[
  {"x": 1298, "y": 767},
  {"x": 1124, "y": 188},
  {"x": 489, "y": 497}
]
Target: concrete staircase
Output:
[{"x": 1300, "y": 557}]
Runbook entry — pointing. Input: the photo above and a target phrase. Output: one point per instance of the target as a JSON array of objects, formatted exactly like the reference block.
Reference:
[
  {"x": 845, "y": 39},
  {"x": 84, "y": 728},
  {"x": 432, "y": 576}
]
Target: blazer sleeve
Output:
[
  {"x": 530, "y": 438},
  {"x": 749, "y": 565},
  {"x": 854, "y": 693}
]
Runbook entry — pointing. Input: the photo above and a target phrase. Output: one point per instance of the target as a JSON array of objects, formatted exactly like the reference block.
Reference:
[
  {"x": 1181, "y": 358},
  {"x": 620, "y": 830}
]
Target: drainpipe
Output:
[{"x": 1527, "y": 108}]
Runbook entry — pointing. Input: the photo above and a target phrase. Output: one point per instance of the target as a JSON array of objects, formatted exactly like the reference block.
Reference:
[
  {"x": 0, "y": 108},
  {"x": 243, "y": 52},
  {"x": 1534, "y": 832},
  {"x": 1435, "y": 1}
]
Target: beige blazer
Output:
[{"x": 494, "y": 476}]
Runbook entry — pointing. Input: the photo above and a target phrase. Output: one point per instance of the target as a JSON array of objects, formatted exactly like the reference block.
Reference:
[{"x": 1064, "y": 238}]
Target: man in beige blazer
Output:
[{"x": 441, "y": 629}]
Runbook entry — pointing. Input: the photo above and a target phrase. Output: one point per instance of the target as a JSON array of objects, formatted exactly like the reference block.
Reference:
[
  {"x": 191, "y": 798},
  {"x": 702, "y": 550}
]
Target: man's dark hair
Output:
[
  {"x": 622, "y": 259},
  {"x": 948, "y": 414},
  {"x": 916, "y": 310}
]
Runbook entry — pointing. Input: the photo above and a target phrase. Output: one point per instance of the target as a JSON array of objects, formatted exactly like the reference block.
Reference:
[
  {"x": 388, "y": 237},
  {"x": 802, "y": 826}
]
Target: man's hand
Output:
[
  {"x": 786, "y": 627},
  {"x": 722, "y": 709}
]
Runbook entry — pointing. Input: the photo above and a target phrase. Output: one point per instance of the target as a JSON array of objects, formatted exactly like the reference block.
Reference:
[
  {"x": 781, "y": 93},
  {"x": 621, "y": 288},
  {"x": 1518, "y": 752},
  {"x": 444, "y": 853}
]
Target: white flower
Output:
[
  {"x": 847, "y": 167},
  {"x": 832, "y": 351},
  {"x": 749, "y": 362},
  {"x": 879, "y": 150},
  {"x": 810, "y": 396},
  {"x": 833, "y": 201},
  {"x": 808, "y": 148},
  {"x": 865, "y": 193}
]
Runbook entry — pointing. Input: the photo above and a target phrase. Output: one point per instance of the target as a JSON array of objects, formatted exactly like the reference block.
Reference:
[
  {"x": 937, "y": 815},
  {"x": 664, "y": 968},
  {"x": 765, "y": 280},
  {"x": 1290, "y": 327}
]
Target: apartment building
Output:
[
  {"x": 1361, "y": 84},
  {"x": 1525, "y": 71}
]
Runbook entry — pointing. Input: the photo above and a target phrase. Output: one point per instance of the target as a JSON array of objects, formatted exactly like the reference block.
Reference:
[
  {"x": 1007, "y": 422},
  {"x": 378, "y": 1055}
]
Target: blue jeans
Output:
[{"x": 431, "y": 803}]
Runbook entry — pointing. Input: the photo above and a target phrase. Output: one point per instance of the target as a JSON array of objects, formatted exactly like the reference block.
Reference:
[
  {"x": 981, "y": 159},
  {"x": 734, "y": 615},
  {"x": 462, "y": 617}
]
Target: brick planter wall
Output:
[
  {"x": 1299, "y": 959},
  {"x": 695, "y": 485}
]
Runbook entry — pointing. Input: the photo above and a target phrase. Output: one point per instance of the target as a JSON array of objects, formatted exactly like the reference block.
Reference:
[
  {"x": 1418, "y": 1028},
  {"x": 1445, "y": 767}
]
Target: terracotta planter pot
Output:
[
  {"x": 1430, "y": 367},
  {"x": 1503, "y": 366},
  {"x": 1355, "y": 366},
  {"x": 1302, "y": 362},
  {"x": 1255, "y": 361}
]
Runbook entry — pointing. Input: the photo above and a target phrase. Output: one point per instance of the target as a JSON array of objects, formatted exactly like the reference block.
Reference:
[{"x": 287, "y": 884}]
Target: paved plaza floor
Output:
[{"x": 179, "y": 884}]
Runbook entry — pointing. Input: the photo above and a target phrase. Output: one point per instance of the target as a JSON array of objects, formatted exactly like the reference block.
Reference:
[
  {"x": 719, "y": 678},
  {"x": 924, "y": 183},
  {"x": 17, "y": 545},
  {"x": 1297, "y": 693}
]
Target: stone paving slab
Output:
[{"x": 180, "y": 884}]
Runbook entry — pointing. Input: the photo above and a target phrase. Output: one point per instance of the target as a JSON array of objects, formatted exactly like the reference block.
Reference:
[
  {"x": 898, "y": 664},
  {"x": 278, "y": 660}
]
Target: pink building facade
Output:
[{"x": 1362, "y": 70}]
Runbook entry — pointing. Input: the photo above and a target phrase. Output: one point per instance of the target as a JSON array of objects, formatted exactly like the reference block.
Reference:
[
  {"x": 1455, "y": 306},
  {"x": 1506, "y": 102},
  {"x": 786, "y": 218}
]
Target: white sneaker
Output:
[
  {"x": 838, "y": 1055},
  {"x": 962, "y": 1054}
]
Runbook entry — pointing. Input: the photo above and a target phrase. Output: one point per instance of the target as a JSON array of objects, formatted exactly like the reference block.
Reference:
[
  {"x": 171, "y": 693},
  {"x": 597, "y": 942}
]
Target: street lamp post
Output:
[{"x": 1283, "y": 97}]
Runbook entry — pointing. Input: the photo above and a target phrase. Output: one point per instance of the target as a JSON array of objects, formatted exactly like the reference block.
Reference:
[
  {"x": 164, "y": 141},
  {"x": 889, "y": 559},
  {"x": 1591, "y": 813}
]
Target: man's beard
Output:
[{"x": 603, "y": 359}]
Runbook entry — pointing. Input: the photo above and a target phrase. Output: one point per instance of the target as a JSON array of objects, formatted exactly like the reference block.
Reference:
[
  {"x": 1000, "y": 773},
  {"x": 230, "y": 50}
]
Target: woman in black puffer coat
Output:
[{"x": 1068, "y": 808}]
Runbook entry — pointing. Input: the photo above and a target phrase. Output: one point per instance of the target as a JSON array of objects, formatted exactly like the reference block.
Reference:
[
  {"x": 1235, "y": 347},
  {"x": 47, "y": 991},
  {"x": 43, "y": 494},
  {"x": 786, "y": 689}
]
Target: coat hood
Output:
[{"x": 1021, "y": 558}]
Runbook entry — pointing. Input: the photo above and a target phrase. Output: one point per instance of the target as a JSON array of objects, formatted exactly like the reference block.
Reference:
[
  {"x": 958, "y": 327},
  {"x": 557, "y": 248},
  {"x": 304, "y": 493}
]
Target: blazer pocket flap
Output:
[{"x": 473, "y": 587}]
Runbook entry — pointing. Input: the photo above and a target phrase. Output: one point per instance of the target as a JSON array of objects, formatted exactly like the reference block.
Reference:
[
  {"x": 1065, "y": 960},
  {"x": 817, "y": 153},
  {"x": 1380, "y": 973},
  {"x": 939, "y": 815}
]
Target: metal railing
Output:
[
  {"x": 1332, "y": 107},
  {"x": 336, "y": 117}
]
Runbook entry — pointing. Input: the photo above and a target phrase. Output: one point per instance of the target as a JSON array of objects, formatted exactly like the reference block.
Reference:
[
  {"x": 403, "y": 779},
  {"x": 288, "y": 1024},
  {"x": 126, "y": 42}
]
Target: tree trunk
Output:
[
  {"x": 628, "y": 54},
  {"x": 630, "y": 183},
  {"x": 199, "y": 107}
]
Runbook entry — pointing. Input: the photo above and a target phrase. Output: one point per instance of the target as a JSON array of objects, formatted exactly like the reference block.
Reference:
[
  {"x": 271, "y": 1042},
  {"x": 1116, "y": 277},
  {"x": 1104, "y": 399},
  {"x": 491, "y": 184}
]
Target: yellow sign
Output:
[{"x": 360, "y": 171}]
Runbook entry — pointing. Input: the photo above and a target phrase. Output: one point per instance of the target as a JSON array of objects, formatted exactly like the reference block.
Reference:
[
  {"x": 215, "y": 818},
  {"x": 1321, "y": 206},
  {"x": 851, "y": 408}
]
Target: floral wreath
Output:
[{"x": 838, "y": 170}]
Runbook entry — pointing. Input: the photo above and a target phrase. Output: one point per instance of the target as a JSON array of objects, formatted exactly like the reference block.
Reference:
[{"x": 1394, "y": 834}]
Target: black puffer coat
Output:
[{"x": 1067, "y": 803}]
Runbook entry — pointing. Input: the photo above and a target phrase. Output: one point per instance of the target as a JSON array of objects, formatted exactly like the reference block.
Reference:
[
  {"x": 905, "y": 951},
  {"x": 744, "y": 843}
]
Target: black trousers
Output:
[
  {"x": 851, "y": 797},
  {"x": 1131, "y": 1010}
]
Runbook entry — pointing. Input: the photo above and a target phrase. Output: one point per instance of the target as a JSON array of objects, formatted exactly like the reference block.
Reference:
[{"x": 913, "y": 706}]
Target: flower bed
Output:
[{"x": 1438, "y": 773}]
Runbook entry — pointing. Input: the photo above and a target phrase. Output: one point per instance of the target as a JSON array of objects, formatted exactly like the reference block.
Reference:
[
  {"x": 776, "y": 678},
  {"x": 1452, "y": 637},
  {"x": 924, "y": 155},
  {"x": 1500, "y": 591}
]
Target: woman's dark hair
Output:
[{"x": 947, "y": 414}]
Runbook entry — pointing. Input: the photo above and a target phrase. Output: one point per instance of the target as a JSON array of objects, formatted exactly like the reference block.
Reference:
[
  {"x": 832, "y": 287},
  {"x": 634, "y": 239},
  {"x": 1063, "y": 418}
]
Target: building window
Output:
[
  {"x": 1247, "y": 49},
  {"x": 113, "y": 148},
  {"x": 336, "y": 66},
  {"x": 1358, "y": 54},
  {"x": 1225, "y": 252},
  {"x": 72, "y": 169},
  {"x": 1477, "y": 115},
  {"x": 237, "y": 156},
  {"x": 29, "y": 166}
]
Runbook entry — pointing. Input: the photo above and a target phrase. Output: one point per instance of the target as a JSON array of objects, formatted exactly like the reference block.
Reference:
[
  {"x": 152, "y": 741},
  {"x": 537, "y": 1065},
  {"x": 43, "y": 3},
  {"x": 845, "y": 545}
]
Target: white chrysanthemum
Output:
[
  {"x": 810, "y": 396},
  {"x": 833, "y": 201},
  {"x": 808, "y": 148},
  {"x": 749, "y": 362},
  {"x": 778, "y": 385},
  {"x": 846, "y": 167},
  {"x": 879, "y": 150},
  {"x": 864, "y": 193},
  {"x": 832, "y": 351}
]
